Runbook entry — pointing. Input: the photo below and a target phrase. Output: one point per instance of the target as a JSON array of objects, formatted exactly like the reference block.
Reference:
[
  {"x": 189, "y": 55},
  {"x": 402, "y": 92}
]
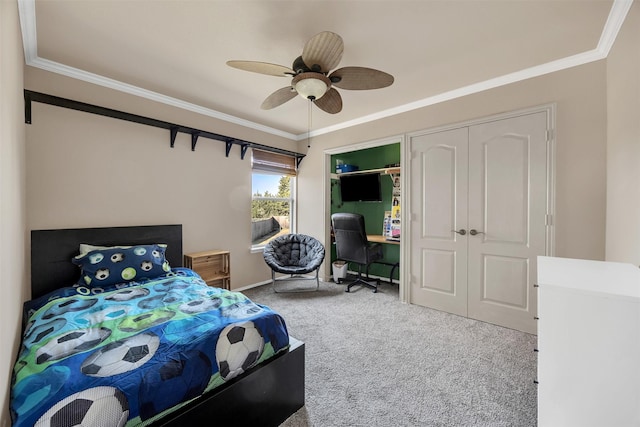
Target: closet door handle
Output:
[
  {"x": 461, "y": 232},
  {"x": 473, "y": 232}
]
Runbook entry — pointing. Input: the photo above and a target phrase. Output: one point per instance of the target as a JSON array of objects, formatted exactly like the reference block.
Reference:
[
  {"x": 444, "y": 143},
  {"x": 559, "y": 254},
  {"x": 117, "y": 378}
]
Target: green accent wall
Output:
[{"x": 373, "y": 212}]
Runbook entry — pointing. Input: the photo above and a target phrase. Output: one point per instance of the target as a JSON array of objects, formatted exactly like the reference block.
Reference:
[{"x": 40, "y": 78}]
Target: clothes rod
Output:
[{"x": 31, "y": 96}]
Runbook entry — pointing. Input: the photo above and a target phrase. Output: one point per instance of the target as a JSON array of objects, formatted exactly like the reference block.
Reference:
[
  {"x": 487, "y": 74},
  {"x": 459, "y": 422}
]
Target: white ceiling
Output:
[{"x": 176, "y": 51}]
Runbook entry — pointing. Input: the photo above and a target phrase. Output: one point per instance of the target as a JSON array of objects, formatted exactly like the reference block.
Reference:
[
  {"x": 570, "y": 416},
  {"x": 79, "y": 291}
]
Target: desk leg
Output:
[
  {"x": 396, "y": 265},
  {"x": 393, "y": 269}
]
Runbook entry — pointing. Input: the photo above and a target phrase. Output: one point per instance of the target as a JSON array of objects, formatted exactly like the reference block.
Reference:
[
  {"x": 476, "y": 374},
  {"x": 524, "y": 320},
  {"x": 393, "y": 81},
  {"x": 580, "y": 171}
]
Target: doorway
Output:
[
  {"x": 481, "y": 205},
  {"x": 331, "y": 200}
]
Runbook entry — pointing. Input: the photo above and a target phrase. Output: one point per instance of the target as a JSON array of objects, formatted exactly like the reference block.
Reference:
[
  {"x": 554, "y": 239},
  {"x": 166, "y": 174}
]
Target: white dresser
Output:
[{"x": 588, "y": 343}]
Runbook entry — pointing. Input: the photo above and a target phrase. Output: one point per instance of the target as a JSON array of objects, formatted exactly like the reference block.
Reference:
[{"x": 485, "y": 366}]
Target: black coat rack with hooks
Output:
[{"x": 31, "y": 96}]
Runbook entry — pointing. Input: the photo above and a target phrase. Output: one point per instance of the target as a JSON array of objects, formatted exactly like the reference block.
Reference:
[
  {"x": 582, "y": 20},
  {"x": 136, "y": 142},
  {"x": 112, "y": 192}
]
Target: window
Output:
[{"x": 272, "y": 202}]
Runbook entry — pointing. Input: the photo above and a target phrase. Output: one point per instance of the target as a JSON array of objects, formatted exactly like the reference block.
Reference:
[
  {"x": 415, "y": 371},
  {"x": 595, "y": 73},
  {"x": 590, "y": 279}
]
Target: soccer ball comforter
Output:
[{"x": 136, "y": 351}]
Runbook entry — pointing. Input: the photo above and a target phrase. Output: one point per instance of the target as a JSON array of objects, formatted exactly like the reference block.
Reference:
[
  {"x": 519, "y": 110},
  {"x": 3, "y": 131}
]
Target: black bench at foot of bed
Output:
[{"x": 264, "y": 396}]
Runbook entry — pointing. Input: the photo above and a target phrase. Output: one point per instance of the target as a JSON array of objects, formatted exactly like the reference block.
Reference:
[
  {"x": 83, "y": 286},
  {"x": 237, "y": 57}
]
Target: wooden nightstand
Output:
[{"x": 213, "y": 266}]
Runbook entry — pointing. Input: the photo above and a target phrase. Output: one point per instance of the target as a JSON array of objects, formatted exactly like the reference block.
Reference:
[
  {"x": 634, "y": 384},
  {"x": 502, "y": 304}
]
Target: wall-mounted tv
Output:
[{"x": 360, "y": 187}]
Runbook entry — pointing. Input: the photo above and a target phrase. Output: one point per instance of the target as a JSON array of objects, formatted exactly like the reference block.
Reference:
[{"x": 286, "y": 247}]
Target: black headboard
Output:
[{"x": 52, "y": 250}]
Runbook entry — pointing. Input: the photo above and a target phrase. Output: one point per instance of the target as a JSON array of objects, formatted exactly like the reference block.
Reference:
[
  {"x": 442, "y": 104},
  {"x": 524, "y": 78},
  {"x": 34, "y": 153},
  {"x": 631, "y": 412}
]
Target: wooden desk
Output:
[{"x": 379, "y": 238}]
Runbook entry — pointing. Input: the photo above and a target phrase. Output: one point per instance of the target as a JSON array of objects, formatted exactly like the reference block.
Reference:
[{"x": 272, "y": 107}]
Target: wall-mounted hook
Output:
[
  {"x": 194, "y": 140},
  {"x": 174, "y": 133}
]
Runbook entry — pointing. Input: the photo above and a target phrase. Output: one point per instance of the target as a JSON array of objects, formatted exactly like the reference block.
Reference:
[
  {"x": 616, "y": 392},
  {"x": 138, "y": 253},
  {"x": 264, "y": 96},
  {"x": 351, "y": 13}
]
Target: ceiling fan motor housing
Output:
[{"x": 299, "y": 66}]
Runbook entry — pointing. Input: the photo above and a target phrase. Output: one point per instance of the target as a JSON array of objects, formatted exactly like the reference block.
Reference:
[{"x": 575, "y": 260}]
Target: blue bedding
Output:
[{"x": 127, "y": 354}]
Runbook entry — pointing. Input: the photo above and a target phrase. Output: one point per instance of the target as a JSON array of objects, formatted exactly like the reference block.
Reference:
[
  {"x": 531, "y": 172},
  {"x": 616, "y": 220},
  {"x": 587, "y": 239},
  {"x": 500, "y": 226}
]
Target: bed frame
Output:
[{"x": 265, "y": 395}]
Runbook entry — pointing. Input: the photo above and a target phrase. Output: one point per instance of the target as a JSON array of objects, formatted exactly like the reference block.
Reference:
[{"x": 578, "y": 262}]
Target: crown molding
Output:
[
  {"x": 616, "y": 17},
  {"x": 75, "y": 73},
  {"x": 27, "y": 12},
  {"x": 539, "y": 70}
]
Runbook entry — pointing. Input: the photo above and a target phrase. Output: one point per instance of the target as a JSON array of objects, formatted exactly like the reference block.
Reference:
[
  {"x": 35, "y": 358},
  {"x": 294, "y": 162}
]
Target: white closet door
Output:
[
  {"x": 507, "y": 207},
  {"x": 478, "y": 219},
  {"x": 439, "y": 206}
]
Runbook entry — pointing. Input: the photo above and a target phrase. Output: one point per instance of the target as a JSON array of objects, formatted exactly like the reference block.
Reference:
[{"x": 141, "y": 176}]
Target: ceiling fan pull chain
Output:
[{"x": 309, "y": 127}]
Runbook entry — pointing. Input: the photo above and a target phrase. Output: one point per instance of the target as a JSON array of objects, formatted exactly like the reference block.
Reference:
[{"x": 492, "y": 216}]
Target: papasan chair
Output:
[{"x": 295, "y": 255}]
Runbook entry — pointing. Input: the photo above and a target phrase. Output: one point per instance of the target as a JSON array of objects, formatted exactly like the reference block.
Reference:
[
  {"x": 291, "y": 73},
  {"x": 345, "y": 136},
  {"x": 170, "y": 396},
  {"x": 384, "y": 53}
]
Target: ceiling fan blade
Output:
[
  {"x": 278, "y": 97},
  {"x": 262, "y": 68},
  {"x": 323, "y": 51},
  {"x": 360, "y": 78},
  {"x": 331, "y": 102}
]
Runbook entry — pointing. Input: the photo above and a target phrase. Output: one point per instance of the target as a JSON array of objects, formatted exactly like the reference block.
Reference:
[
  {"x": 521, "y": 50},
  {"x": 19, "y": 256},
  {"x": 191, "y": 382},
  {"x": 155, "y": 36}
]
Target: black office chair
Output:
[{"x": 352, "y": 245}]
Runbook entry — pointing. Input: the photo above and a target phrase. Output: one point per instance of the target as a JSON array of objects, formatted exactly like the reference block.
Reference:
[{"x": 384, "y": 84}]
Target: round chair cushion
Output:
[{"x": 294, "y": 254}]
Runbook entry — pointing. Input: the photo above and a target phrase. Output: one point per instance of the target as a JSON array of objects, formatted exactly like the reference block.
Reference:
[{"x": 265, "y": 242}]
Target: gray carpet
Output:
[{"x": 373, "y": 361}]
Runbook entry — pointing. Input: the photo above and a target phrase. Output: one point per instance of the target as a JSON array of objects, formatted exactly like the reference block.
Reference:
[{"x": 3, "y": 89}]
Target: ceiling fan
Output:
[{"x": 311, "y": 75}]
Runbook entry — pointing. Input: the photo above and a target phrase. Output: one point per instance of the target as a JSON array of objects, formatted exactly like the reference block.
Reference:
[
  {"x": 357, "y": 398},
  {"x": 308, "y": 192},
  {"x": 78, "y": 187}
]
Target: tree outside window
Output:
[{"x": 271, "y": 207}]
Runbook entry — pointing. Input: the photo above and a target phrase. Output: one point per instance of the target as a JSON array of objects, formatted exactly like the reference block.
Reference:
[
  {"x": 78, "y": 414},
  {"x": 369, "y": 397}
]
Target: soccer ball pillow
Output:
[{"x": 121, "y": 264}]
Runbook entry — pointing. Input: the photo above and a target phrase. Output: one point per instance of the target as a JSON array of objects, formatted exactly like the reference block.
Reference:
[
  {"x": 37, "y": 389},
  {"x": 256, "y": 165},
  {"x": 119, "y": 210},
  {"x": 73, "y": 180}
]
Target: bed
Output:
[{"x": 145, "y": 345}]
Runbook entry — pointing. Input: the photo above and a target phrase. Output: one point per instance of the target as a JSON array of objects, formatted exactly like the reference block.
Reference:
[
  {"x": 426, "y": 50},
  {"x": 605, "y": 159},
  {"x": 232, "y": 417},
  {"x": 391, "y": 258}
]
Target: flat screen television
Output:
[{"x": 361, "y": 187}]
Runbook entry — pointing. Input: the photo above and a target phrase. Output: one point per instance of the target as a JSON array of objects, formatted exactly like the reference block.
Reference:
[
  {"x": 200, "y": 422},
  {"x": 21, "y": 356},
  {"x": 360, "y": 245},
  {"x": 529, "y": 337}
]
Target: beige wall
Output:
[
  {"x": 86, "y": 170},
  {"x": 12, "y": 194},
  {"x": 623, "y": 143},
  {"x": 580, "y": 97},
  {"x": 209, "y": 193}
]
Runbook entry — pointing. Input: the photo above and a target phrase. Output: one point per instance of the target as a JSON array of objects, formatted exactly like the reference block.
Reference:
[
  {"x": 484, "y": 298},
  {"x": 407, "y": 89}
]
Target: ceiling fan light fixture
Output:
[
  {"x": 311, "y": 85},
  {"x": 313, "y": 79}
]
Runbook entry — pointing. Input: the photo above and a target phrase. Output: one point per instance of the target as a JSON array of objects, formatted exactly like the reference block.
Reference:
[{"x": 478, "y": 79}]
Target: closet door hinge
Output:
[
  {"x": 548, "y": 219},
  {"x": 550, "y": 135}
]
